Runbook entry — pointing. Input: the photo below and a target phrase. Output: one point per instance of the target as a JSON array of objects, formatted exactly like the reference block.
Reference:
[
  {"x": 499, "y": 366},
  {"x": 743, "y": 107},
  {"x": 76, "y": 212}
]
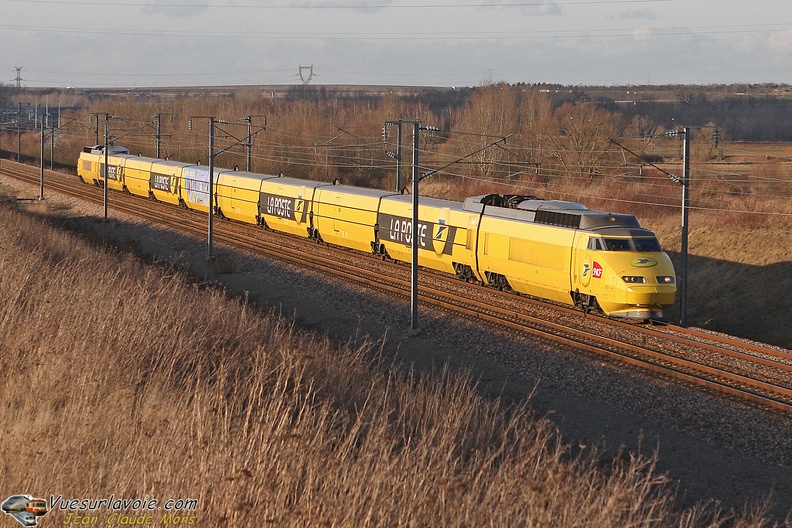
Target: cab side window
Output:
[
  {"x": 594, "y": 244},
  {"x": 617, "y": 244}
]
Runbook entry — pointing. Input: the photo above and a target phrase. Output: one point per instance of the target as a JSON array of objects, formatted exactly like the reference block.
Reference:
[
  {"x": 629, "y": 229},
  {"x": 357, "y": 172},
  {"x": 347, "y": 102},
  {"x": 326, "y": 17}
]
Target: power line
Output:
[{"x": 323, "y": 6}]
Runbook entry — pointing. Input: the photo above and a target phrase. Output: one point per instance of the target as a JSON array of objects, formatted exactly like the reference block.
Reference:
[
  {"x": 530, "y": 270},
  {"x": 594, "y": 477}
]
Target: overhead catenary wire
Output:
[{"x": 362, "y": 154}]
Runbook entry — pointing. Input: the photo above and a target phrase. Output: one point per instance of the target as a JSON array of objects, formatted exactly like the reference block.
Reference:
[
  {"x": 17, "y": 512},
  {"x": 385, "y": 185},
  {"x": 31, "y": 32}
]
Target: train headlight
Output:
[
  {"x": 669, "y": 279},
  {"x": 634, "y": 279}
]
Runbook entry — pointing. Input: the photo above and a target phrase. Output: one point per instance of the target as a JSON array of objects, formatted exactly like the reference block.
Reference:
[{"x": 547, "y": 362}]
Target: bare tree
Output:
[
  {"x": 579, "y": 140},
  {"x": 490, "y": 113}
]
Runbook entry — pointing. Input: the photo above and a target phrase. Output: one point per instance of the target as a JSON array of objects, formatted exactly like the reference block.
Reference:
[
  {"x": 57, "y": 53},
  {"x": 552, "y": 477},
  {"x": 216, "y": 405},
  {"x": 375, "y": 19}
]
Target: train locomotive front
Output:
[
  {"x": 565, "y": 252},
  {"x": 620, "y": 268}
]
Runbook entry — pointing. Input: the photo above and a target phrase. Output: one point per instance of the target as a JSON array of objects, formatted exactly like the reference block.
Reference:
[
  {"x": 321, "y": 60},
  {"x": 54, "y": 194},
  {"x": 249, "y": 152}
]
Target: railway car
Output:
[
  {"x": 516, "y": 252},
  {"x": 238, "y": 195},
  {"x": 137, "y": 175},
  {"x": 90, "y": 167},
  {"x": 286, "y": 205},
  {"x": 556, "y": 250},
  {"x": 165, "y": 181},
  {"x": 564, "y": 252},
  {"x": 16, "y": 503},
  {"x": 194, "y": 187},
  {"x": 346, "y": 216},
  {"x": 36, "y": 506},
  {"x": 444, "y": 234}
]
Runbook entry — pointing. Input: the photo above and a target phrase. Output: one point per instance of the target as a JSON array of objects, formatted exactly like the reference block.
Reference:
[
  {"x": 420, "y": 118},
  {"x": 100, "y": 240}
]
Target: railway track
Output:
[{"x": 758, "y": 374}]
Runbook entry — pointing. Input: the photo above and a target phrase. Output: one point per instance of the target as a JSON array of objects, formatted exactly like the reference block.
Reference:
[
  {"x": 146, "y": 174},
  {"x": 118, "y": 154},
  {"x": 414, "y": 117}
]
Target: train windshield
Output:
[{"x": 642, "y": 244}]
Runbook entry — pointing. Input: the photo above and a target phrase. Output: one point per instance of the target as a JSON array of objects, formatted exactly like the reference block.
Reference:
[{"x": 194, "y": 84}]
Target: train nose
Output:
[{"x": 651, "y": 295}]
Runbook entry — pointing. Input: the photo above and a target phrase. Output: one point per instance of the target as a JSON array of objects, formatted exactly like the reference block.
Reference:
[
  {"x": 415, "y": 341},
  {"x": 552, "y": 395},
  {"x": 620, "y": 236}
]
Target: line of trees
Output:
[
  {"x": 323, "y": 137},
  {"x": 498, "y": 132}
]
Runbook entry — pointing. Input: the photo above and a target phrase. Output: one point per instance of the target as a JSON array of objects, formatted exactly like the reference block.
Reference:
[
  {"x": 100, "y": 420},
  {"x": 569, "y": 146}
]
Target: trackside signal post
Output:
[
  {"x": 250, "y": 135},
  {"x": 398, "y": 154},
  {"x": 682, "y": 276},
  {"x": 414, "y": 238},
  {"x": 158, "y": 135},
  {"x": 685, "y": 182},
  {"x": 416, "y": 177},
  {"x": 685, "y": 208}
]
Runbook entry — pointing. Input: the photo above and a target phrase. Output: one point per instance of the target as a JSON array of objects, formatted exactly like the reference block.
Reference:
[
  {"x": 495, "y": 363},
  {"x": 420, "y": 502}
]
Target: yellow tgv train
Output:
[{"x": 556, "y": 250}]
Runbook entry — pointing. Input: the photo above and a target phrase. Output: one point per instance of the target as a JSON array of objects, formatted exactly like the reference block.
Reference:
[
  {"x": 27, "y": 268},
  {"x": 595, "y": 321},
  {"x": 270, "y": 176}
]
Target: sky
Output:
[{"x": 156, "y": 43}]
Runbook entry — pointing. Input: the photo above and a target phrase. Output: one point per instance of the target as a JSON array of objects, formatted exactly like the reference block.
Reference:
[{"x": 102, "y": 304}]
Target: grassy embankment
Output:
[{"x": 120, "y": 378}]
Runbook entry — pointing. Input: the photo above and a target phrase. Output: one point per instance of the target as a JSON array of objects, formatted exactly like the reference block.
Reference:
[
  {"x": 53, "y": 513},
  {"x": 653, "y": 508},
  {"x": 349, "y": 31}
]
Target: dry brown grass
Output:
[{"x": 126, "y": 379}]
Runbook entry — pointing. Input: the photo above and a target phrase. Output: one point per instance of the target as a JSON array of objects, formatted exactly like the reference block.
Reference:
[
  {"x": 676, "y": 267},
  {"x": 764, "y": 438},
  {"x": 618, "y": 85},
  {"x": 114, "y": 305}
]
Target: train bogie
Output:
[
  {"x": 346, "y": 216},
  {"x": 285, "y": 205}
]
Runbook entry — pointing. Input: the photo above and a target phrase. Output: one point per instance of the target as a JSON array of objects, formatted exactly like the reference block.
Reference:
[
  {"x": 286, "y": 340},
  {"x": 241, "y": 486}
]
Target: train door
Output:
[
  {"x": 585, "y": 268},
  {"x": 336, "y": 216}
]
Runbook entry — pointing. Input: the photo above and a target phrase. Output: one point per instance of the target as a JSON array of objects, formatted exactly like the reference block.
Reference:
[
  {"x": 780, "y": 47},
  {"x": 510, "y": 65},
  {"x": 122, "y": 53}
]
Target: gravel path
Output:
[{"x": 712, "y": 448}]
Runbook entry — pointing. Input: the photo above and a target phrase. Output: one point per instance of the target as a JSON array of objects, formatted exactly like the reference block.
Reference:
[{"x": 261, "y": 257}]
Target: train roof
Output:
[
  {"x": 99, "y": 149},
  {"x": 352, "y": 189},
  {"x": 169, "y": 163},
  {"x": 245, "y": 174},
  {"x": 426, "y": 201},
  {"x": 551, "y": 212}
]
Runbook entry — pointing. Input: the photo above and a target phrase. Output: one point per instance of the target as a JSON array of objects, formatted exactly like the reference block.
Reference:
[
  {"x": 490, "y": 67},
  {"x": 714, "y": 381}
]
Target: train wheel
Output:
[
  {"x": 496, "y": 280},
  {"x": 379, "y": 250},
  {"x": 464, "y": 272},
  {"x": 585, "y": 302}
]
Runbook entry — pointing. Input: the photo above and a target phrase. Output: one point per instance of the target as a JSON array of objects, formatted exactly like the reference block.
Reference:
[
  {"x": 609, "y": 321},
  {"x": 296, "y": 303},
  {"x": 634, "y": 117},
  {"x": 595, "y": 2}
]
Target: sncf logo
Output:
[{"x": 597, "y": 271}]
